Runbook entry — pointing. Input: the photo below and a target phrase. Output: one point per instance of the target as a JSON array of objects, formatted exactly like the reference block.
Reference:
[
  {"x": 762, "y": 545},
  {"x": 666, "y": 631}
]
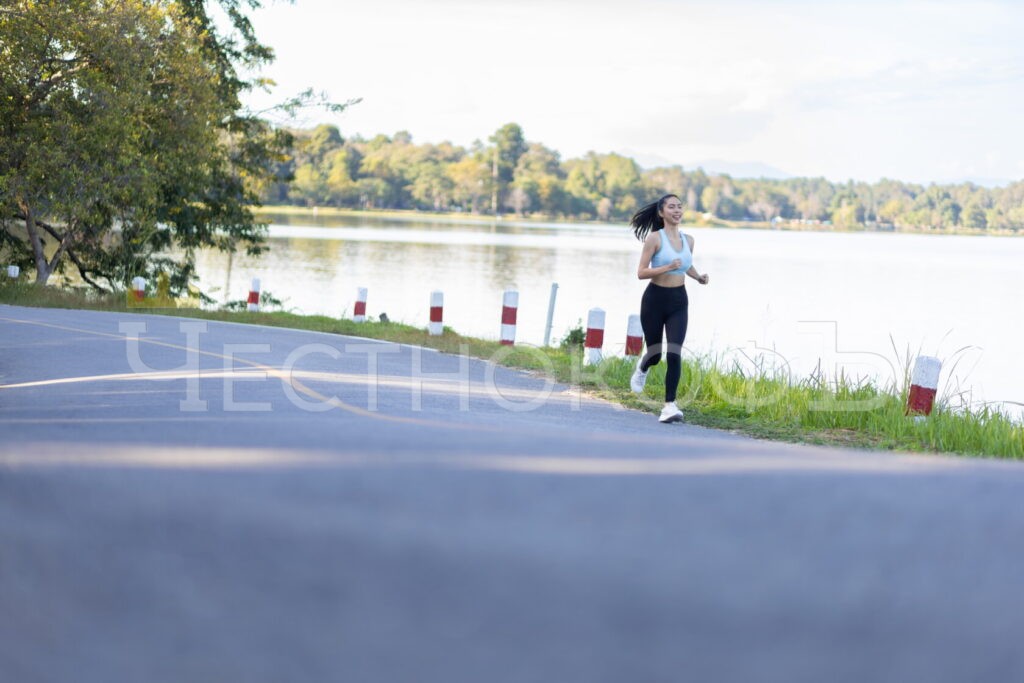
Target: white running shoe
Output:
[
  {"x": 639, "y": 379},
  {"x": 671, "y": 413}
]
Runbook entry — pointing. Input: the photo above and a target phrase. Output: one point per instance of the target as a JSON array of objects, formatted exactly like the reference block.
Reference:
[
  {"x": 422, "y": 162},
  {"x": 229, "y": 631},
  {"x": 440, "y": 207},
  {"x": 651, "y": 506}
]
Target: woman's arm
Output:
[
  {"x": 692, "y": 272},
  {"x": 703, "y": 279},
  {"x": 644, "y": 270}
]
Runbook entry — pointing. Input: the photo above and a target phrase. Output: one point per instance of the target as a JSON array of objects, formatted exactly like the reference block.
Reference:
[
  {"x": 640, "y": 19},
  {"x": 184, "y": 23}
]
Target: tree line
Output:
[{"x": 509, "y": 174}]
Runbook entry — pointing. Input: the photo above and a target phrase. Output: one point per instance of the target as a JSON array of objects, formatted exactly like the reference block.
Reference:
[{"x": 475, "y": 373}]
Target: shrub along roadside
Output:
[{"x": 834, "y": 412}]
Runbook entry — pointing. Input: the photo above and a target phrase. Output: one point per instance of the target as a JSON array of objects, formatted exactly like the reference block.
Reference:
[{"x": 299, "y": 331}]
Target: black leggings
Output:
[{"x": 668, "y": 308}]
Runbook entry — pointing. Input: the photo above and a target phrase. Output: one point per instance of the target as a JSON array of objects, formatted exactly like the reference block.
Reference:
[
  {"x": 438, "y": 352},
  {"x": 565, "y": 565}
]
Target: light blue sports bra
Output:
[{"x": 666, "y": 254}]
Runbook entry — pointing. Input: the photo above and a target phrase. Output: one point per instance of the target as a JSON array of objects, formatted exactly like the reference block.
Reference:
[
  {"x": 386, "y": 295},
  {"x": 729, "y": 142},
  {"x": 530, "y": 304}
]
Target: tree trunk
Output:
[{"x": 43, "y": 270}]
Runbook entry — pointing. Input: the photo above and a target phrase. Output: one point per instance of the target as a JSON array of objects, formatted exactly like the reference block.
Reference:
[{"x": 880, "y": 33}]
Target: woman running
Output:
[{"x": 666, "y": 260}]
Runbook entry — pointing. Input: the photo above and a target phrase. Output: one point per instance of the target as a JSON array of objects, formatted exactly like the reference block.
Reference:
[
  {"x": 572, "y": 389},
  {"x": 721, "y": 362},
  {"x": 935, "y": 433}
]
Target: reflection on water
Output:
[
  {"x": 841, "y": 300},
  {"x": 316, "y": 269},
  {"x": 438, "y": 223}
]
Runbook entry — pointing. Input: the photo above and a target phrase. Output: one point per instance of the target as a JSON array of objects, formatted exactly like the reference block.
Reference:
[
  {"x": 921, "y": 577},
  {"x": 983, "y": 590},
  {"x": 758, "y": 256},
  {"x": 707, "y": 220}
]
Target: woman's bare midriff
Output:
[{"x": 667, "y": 280}]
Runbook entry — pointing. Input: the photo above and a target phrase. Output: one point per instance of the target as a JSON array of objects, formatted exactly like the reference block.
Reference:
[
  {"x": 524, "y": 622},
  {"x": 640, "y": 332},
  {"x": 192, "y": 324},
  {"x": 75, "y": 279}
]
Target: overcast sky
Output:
[{"x": 914, "y": 90}]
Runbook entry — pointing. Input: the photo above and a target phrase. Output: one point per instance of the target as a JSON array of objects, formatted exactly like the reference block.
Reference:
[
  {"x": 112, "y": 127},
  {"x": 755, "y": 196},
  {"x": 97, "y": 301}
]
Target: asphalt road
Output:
[{"x": 289, "y": 506}]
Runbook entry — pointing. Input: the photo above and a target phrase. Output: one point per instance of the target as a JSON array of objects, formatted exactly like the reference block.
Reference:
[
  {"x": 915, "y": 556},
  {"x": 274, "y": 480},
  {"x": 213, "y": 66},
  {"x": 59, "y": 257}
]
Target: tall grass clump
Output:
[{"x": 763, "y": 400}]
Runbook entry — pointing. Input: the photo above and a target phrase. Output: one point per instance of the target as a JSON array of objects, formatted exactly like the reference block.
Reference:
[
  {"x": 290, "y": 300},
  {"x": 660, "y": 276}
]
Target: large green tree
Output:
[
  {"x": 509, "y": 144},
  {"x": 538, "y": 182},
  {"x": 123, "y": 135}
]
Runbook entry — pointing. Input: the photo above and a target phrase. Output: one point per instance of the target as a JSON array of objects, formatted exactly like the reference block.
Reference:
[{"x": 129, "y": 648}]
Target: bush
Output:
[{"x": 574, "y": 337}]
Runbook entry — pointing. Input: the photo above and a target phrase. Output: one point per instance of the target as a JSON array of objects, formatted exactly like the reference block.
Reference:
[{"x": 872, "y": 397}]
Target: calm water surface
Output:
[{"x": 844, "y": 302}]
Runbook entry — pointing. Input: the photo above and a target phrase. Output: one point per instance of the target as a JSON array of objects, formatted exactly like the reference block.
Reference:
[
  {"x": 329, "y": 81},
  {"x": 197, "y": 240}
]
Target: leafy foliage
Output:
[
  {"x": 122, "y": 135},
  {"x": 514, "y": 175}
]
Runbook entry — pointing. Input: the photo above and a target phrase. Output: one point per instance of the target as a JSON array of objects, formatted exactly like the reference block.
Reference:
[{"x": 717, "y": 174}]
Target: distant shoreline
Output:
[{"x": 695, "y": 220}]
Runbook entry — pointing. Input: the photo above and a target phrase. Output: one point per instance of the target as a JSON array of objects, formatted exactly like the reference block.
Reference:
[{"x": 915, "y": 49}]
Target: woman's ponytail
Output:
[{"x": 649, "y": 218}]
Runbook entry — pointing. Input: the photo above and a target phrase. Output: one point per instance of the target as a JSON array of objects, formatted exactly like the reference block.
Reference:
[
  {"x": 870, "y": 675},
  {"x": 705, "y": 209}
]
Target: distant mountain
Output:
[
  {"x": 755, "y": 169},
  {"x": 736, "y": 169},
  {"x": 648, "y": 160}
]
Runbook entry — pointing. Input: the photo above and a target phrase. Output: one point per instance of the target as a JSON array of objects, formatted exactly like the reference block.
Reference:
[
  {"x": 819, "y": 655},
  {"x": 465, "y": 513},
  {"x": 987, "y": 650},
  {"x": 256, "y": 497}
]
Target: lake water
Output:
[{"x": 844, "y": 302}]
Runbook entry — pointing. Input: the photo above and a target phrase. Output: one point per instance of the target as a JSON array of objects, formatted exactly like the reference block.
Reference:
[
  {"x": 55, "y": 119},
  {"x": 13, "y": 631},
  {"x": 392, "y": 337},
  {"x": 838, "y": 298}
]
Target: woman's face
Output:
[{"x": 672, "y": 210}]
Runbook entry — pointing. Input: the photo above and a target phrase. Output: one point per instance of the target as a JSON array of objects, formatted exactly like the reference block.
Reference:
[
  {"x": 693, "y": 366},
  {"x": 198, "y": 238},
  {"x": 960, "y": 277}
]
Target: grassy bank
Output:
[{"x": 821, "y": 411}]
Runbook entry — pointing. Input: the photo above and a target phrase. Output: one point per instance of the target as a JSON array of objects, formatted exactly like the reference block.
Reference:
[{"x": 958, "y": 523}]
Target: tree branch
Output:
[
  {"x": 82, "y": 271},
  {"x": 65, "y": 244},
  {"x": 82, "y": 268},
  {"x": 41, "y": 87}
]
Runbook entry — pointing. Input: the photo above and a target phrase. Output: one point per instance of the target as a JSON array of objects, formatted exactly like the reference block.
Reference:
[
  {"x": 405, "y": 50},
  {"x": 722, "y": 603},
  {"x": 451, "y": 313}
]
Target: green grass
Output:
[{"x": 756, "y": 402}]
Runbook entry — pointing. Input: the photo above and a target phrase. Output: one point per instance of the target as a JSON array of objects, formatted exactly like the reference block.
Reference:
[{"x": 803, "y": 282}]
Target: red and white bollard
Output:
[
  {"x": 436, "y": 313},
  {"x": 595, "y": 336},
  {"x": 13, "y": 272},
  {"x": 139, "y": 287},
  {"x": 634, "y": 336},
  {"x": 253, "y": 304},
  {"x": 509, "y": 308},
  {"x": 359, "y": 314},
  {"x": 924, "y": 384}
]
